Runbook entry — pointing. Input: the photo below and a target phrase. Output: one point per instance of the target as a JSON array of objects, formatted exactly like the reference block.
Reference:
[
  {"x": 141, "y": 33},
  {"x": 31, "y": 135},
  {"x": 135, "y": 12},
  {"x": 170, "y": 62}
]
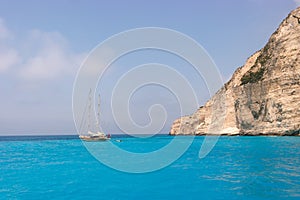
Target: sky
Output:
[{"x": 43, "y": 44}]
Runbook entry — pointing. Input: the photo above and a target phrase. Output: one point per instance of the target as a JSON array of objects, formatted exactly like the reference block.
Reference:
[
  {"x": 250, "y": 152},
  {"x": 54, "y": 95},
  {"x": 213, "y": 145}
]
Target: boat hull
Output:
[{"x": 93, "y": 138}]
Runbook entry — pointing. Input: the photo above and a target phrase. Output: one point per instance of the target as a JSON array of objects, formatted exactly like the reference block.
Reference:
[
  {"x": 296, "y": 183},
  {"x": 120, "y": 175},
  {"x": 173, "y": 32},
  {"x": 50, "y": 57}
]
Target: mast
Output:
[
  {"x": 98, "y": 113},
  {"x": 90, "y": 110}
]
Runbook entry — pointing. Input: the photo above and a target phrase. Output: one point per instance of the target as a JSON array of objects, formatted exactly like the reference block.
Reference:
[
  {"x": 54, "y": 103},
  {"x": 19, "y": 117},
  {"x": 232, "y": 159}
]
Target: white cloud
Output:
[
  {"x": 297, "y": 2},
  {"x": 8, "y": 58},
  {"x": 39, "y": 56},
  {"x": 51, "y": 58}
]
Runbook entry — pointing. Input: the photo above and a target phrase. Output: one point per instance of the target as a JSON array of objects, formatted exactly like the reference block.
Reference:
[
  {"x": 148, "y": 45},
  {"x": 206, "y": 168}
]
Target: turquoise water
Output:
[{"x": 237, "y": 168}]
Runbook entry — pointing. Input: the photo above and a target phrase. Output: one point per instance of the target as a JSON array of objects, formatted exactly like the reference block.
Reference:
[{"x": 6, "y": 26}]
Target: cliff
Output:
[{"x": 262, "y": 97}]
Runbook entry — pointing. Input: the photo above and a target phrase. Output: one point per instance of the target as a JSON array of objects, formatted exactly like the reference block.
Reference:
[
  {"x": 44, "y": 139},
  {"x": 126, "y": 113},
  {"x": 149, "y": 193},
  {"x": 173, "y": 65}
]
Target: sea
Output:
[{"x": 61, "y": 167}]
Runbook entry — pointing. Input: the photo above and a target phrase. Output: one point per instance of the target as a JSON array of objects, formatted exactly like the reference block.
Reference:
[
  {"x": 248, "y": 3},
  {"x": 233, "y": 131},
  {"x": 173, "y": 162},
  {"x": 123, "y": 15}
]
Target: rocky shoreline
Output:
[{"x": 295, "y": 133}]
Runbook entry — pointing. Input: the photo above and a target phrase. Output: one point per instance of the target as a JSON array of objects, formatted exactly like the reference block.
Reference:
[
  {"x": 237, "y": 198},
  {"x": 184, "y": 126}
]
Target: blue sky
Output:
[{"x": 42, "y": 44}]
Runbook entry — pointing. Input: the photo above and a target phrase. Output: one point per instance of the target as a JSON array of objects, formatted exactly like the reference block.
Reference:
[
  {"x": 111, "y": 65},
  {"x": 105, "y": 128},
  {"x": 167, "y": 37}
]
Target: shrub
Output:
[{"x": 253, "y": 77}]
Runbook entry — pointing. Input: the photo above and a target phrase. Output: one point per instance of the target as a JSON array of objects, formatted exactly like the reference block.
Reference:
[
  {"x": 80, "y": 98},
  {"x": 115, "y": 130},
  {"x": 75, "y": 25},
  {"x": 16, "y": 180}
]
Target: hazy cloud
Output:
[
  {"x": 35, "y": 67},
  {"x": 8, "y": 56},
  {"x": 297, "y": 2}
]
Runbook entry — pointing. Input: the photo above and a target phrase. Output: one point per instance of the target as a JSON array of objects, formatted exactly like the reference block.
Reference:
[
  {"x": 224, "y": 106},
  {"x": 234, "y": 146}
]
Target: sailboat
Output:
[{"x": 94, "y": 135}]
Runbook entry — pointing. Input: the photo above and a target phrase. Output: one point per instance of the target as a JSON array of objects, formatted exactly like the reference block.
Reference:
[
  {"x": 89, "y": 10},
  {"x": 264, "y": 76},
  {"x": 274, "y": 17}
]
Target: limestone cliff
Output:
[{"x": 262, "y": 97}]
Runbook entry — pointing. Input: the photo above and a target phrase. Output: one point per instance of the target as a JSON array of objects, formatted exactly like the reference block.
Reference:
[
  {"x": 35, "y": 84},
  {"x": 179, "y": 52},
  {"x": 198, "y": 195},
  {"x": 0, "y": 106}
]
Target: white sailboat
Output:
[{"x": 94, "y": 135}]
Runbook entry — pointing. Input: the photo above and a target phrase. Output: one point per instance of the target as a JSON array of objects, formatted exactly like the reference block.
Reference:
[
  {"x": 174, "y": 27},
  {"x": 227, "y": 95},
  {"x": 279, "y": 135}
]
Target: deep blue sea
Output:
[{"x": 237, "y": 168}]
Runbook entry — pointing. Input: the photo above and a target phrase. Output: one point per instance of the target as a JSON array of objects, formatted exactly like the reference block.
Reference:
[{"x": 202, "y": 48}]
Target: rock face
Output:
[{"x": 262, "y": 97}]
